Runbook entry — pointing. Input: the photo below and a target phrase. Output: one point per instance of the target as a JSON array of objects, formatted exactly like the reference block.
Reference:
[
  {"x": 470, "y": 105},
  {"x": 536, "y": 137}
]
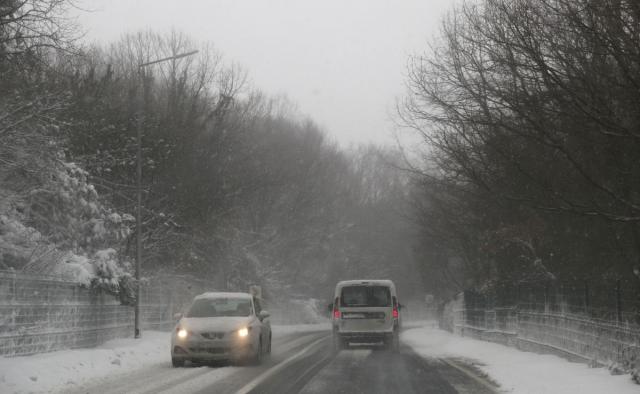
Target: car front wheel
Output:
[
  {"x": 269, "y": 345},
  {"x": 257, "y": 358},
  {"x": 177, "y": 362}
]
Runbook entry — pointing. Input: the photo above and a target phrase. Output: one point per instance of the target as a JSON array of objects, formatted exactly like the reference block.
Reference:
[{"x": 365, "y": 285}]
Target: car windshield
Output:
[
  {"x": 216, "y": 307},
  {"x": 365, "y": 296}
]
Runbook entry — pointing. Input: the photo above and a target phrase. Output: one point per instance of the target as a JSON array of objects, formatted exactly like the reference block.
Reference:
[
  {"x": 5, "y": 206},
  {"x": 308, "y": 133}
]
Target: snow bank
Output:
[
  {"x": 517, "y": 371},
  {"x": 63, "y": 370}
]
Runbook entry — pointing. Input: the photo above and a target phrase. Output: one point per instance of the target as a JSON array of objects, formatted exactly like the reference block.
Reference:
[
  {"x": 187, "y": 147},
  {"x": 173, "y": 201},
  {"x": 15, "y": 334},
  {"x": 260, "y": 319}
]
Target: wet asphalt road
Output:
[
  {"x": 370, "y": 370},
  {"x": 305, "y": 363}
]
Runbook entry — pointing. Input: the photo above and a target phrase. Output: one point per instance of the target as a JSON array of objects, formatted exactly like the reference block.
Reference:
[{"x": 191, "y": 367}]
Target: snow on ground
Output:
[
  {"x": 66, "y": 369},
  {"x": 516, "y": 371},
  {"x": 50, "y": 372}
]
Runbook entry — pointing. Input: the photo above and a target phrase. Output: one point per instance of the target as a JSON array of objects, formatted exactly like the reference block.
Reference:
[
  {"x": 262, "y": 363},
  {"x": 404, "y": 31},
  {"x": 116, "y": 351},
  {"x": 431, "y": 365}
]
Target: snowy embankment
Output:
[
  {"x": 516, "y": 371},
  {"x": 65, "y": 370}
]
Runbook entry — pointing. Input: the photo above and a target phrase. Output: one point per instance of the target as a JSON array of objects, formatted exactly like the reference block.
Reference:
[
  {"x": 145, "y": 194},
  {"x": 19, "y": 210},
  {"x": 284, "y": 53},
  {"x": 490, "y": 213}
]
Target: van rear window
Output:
[{"x": 365, "y": 296}]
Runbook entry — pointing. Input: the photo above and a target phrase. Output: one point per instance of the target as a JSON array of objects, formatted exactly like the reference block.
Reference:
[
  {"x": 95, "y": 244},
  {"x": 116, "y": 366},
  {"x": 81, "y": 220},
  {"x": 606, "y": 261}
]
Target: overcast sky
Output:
[{"x": 342, "y": 61}]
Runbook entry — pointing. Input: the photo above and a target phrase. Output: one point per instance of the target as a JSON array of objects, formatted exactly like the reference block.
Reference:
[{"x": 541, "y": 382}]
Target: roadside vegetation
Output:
[
  {"x": 532, "y": 173},
  {"x": 238, "y": 187},
  {"x": 528, "y": 111}
]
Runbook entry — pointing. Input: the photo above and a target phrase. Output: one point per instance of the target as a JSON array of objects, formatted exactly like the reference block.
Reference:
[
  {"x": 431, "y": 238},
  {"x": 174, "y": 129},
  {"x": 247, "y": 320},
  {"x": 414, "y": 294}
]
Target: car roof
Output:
[{"x": 220, "y": 294}]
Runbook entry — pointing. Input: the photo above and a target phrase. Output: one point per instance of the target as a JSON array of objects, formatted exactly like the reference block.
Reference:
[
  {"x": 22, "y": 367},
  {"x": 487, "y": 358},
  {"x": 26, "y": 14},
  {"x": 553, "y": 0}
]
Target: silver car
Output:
[{"x": 222, "y": 326}]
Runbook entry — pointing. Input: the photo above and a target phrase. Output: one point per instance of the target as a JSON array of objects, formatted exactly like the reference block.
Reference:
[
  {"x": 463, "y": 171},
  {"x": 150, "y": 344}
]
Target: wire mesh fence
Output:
[
  {"x": 594, "y": 321},
  {"x": 41, "y": 313}
]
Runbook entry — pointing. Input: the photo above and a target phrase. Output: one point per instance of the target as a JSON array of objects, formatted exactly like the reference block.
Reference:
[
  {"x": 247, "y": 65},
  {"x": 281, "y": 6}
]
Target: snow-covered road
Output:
[
  {"x": 122, "y": 364},
  {"x": 160, "y": 377},
  {"x": 302, "y": 361},
  {"x": 430, "y": 361}
]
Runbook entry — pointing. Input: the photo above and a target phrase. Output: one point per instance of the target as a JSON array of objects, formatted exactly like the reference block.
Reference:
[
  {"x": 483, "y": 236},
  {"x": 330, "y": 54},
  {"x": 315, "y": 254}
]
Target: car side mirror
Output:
[
  {"x": 177, "y": 316},
  {"x": 400, "y": 306},
  {"x": 263, "y": 315},
  {"x": 330, "y": 307}
]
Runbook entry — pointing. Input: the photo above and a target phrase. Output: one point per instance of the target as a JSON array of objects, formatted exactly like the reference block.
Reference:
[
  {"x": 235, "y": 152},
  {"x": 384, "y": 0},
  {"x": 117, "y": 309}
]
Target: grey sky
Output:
[{"x": 342, "y": 61}]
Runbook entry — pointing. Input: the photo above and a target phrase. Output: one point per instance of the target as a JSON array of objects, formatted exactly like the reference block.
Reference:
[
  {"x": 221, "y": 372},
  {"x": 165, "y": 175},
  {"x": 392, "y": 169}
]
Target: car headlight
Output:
[
  {"x": 182, "y": 333},
  {"x": 243, "y": 332}
]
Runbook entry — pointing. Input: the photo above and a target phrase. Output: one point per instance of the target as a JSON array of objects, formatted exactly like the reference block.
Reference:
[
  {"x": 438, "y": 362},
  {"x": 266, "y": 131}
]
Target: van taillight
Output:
[
  {"x": 336, "y": 310},
  {"x": 395, "y": 312}
]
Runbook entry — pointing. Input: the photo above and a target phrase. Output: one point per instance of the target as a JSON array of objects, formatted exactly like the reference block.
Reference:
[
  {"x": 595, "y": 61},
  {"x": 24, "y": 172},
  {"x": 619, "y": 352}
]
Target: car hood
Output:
[{"x": 217, "y": 324}]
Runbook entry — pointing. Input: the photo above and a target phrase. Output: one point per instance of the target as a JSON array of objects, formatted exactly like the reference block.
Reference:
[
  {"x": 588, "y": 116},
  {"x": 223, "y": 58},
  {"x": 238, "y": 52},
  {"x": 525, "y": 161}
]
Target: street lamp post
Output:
[{"x": 139, "y": 127}]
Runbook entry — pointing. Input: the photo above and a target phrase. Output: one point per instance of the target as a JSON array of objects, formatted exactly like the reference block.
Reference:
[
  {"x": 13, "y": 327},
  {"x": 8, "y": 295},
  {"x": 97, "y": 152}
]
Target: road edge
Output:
[{"x": 489, "y": 384}]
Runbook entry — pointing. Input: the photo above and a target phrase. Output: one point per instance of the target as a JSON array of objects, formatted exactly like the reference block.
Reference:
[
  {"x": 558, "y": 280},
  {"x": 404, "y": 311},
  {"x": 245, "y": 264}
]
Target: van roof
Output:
[
  {"x": 218, "y": 294},
  {"x": 375, "y": 282}
]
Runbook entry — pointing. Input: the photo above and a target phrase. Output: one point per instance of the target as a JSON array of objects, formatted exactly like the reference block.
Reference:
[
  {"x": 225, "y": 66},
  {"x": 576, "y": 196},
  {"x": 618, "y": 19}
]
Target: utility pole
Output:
[{"x": 140, "y": 125}]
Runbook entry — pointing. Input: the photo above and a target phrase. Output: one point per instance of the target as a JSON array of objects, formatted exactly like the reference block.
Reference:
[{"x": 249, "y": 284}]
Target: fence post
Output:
[
  {"x": 546, "y": 297},
  {"x": 586, "y": 297},
  {"x": 170, "y": 306},
  {"x": 533, "y": 299},
  {"x": 618, "y": 303}
]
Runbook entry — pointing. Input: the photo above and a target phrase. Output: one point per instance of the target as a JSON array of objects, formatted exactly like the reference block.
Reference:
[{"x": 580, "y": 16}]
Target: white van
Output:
[{"x": 365, "y": 311}]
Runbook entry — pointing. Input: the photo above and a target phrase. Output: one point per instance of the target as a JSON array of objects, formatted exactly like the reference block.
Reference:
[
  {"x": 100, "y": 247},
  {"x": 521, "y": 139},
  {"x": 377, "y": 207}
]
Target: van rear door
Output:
[{"x": 366, "y": 308}]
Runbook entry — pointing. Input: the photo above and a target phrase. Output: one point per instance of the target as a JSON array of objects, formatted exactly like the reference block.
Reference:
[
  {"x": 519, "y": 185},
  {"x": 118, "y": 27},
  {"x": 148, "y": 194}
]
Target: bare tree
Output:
[
  {"x": 531, "y": 110},
  {"x": 26, "y": 25}
]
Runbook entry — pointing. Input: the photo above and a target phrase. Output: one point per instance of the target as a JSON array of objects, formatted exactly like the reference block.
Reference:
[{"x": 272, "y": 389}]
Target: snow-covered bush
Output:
[
  {"x": 52, "y": 220},
  {"x": 101, "y": 270},
  {"x": 68, "y": 210}
]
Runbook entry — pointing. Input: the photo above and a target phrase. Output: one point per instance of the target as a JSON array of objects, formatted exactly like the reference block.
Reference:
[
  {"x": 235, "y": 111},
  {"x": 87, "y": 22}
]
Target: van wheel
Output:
[
  {"x": 338, "y": 343},
  {"x": 393, "y": 343}
]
